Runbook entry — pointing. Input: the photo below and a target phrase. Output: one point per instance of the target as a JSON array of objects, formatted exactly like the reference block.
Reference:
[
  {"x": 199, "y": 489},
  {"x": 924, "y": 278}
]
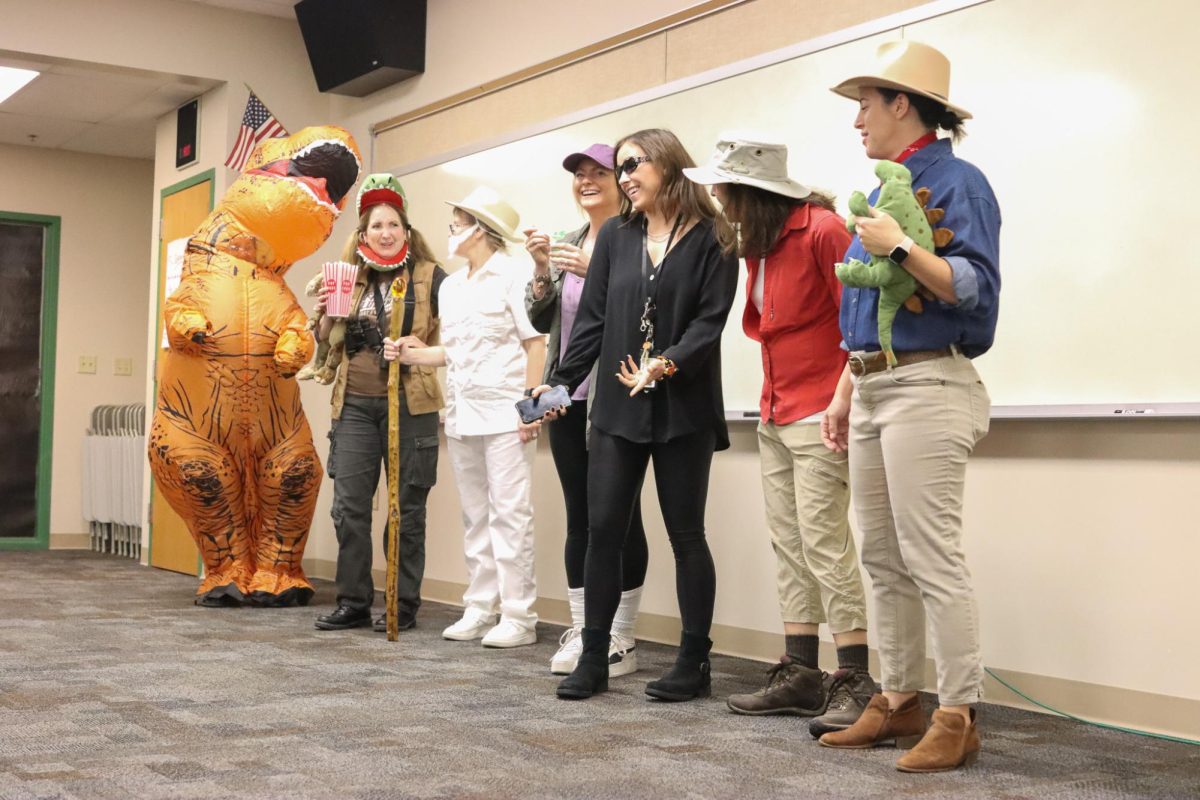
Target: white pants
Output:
[{"x": 494, "y": 475}]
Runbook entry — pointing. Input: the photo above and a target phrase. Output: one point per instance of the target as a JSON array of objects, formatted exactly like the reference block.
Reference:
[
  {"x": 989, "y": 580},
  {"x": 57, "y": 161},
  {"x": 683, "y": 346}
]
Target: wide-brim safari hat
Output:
[
  {"x": 906, "y": 66},
  {"x": 750, "y": 163},
  {"x": 489, "y": 208}
]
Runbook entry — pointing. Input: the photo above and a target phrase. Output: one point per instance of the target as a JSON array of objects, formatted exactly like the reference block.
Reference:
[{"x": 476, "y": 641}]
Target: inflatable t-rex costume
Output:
[
  {"x": 230, "y": 446},
  {"x": 896, "y": 286}
]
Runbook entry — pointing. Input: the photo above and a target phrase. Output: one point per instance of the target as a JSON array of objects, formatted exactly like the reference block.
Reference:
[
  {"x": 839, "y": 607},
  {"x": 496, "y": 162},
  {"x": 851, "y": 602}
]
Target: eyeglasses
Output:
[
  {"x": 630, "y": 165},
  {"x": 455, "y": 227}
]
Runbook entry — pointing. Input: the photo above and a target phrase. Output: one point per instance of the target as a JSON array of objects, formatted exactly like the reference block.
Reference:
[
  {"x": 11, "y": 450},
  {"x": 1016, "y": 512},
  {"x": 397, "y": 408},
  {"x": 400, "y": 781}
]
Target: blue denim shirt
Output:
[{"x": 973, "y": 254}]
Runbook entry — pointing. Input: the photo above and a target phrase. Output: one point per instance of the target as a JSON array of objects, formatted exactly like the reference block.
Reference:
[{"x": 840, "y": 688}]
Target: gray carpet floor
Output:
[{"x": 113, "y": 685}]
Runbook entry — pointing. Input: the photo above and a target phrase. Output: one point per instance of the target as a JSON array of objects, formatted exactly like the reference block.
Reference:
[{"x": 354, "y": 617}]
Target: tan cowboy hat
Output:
[
  {"x": 761, "y": 164},
  {"x": 489, "y": 208},
  {"x": 907, "y": 67}
]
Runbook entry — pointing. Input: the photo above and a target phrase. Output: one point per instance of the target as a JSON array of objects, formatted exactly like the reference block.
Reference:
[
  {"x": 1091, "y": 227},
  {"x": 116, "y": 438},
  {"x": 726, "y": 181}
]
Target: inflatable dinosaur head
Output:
[{"x": 292, "y": 190}]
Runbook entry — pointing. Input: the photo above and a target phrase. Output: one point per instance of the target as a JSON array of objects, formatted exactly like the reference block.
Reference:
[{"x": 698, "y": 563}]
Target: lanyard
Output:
[
  {"x": 382, "y": 313},
  {"x": 651, "y": 280},
  {"x": 924, "y": 141}
]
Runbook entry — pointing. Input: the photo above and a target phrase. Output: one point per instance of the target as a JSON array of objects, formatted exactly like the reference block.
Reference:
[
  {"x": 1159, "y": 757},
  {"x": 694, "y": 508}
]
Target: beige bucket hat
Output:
[
  {"x": 761, "y": 164},
  {"x": 907, "y": 67},
  {"x": 492, "y": 210}
]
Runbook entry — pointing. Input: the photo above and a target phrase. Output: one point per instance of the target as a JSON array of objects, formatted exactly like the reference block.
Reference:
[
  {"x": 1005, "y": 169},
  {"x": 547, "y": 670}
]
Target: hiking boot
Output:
[
  {"x": 791, "y": 689},
  {"x": 849, "y": 692}
]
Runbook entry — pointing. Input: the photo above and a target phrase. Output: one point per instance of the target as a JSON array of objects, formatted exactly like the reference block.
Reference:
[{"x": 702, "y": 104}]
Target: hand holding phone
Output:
[{"x": 532, "y": 409}]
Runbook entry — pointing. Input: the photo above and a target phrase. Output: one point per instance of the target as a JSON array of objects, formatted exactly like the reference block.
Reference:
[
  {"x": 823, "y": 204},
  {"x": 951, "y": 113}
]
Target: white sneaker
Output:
[
  {"x": 474, "y": 623},
  {"x": 509, "y": 634},
  {"x": 622, "y": 656},
  {"x": 569, "y": 648}
]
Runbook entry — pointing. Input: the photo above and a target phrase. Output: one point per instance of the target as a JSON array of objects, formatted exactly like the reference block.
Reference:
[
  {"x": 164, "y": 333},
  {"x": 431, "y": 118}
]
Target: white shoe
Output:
[
  {"x": 622, "y": 656},
  {"x": 509, "y": 634},
  {"x": 570, "y": 646},
  {"x": 474, "y": 623}
]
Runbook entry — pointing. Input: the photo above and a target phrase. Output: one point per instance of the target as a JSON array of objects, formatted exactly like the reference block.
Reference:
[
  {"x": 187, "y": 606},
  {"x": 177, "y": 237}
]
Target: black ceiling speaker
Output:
[{"x": 361, "y": 46}]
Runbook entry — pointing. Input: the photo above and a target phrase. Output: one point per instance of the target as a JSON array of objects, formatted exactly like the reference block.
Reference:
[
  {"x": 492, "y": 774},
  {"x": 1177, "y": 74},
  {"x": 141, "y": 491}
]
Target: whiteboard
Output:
[{"x": 1084, "y": 113}]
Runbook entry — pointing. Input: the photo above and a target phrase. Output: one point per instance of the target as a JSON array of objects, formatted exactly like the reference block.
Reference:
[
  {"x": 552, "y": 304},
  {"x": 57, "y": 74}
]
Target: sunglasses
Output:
[{"x": 630, "y": 165}]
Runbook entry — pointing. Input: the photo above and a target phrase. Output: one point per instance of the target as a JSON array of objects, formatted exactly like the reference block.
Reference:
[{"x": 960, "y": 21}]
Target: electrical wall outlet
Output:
[
  {"x": 122, "y": 366},
  {"x": 87, "y": 365}
]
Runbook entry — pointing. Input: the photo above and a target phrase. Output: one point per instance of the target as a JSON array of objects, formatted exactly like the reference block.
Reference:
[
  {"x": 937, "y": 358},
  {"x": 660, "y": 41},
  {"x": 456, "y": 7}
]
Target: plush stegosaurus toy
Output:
[
  {"x": 896, "y": 286},
  {"x": 331, "y": 351}
]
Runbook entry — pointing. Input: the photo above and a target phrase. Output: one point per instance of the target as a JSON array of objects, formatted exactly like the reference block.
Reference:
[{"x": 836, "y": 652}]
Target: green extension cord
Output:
[{"x": 1039, "y": 704}]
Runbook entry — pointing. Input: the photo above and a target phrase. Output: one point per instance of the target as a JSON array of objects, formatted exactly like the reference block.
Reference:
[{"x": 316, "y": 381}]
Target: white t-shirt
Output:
[{"x": 484, "y": 323}]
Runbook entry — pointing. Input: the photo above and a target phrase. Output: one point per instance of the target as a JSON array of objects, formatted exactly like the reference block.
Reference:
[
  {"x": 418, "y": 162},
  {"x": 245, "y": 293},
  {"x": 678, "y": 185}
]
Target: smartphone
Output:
[{"x": 532, "y": 409}]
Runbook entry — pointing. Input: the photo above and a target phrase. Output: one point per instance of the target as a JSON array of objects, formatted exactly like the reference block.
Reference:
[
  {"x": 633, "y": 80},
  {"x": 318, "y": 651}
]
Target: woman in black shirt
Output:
[{"x": 658, "y": 291}]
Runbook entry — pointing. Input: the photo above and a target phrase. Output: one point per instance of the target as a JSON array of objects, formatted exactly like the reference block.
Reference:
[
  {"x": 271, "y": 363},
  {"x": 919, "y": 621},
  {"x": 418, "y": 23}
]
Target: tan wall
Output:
[{"x": 105, "y": 205}]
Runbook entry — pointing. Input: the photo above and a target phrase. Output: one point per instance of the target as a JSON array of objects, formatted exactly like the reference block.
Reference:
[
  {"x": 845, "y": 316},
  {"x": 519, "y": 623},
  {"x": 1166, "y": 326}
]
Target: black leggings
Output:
[
  {"x": 616, "y": 470},
  {"x": 568, "y": 444}
]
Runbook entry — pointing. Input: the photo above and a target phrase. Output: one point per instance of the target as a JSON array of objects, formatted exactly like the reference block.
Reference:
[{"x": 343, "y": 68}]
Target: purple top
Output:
[{"x": 568, "y": 305}]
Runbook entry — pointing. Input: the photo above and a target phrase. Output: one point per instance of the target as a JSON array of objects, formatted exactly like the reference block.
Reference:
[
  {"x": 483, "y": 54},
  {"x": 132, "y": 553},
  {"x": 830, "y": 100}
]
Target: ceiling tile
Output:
[
  {"x": 112, "y": 140},
  {"x": 50, "y": 132},
  {"x": 164, "y": 101},
  {"x": 87, "y": 98}
]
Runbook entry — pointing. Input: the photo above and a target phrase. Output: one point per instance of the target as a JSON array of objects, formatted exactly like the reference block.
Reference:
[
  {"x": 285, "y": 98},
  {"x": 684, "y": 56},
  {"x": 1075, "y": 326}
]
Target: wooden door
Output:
[{"x": 171, "y": 546}]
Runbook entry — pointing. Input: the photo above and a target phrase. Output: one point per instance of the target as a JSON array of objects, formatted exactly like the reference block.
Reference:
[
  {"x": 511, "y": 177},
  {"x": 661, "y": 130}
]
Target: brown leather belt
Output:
[{"x": 876, "y": 361}]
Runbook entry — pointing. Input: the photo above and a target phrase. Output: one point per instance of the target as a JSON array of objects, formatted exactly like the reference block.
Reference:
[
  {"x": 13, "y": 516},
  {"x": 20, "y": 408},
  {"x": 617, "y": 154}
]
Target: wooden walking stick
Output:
[{"x": 399, "y": 289}]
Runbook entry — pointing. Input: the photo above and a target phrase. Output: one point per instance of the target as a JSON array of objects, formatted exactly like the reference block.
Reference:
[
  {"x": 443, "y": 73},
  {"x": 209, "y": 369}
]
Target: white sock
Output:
[
  {"x": 575, "y": 598},
  {"x": 626, "y": 617}
]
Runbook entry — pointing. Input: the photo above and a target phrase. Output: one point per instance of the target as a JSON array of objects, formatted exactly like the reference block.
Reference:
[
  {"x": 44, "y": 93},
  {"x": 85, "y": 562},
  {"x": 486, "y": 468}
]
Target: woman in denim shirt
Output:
[{"x": 910, "y": 428}]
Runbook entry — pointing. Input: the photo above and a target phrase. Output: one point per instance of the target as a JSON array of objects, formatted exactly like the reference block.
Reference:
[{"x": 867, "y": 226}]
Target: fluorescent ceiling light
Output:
[{"x": 12, "y": 79}]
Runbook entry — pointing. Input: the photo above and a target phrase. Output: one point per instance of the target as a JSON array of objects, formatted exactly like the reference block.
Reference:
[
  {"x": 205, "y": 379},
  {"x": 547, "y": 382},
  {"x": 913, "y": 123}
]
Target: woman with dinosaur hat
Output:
[
  {"x": 384, "y": 247},
  {"x": 910, "y": 423}
]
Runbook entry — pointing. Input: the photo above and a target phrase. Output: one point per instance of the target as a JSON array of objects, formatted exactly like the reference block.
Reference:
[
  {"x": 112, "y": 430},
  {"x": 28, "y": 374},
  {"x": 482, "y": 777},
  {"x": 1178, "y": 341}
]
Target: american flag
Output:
[{"x": 257, "y": 124}]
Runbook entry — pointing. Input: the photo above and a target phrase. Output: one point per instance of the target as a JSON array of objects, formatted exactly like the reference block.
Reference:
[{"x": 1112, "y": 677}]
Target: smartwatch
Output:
[{"x": 900, "y": 251}]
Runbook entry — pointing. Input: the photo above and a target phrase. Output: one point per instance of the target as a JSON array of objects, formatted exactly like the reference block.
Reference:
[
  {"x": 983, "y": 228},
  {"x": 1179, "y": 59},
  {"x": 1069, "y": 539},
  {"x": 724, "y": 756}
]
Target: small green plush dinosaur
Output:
[{"x": 896, "y": 286}]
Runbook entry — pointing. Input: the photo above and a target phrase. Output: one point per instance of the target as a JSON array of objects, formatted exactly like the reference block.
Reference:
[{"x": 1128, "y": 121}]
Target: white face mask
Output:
[{"x": 455, "y": 241}]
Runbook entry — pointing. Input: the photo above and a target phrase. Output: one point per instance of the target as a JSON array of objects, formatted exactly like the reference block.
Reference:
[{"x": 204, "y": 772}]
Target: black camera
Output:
[{"x": 363, "y": 334}]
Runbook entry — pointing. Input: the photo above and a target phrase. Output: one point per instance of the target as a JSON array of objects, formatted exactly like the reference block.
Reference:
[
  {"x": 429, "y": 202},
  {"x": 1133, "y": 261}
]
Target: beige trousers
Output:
[
  {"x": 911, "y": 430},
  {"x": 807, "y": 498}
]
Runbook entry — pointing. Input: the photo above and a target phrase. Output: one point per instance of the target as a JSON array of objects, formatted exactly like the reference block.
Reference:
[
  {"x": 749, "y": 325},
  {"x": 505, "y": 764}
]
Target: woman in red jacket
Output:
[{"x": 791, "y": 238}]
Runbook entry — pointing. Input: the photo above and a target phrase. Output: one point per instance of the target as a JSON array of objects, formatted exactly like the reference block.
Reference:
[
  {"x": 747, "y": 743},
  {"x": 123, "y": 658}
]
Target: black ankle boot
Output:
[
  {"x": 690, "y": 677},
  {"x": 591, "y": 672}
]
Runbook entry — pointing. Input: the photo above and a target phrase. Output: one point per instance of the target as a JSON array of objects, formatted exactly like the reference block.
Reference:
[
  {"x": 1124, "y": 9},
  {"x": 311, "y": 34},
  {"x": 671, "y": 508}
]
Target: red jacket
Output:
[{"x": 798, "y": 327}]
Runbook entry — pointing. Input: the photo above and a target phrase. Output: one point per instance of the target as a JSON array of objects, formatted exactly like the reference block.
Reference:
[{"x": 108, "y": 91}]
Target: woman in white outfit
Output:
[{"x": 492, "y": 353}]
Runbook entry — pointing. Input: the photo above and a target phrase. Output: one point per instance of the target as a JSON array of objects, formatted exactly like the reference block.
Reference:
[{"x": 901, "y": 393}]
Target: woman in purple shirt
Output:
[{"x": 552, "y": 300}]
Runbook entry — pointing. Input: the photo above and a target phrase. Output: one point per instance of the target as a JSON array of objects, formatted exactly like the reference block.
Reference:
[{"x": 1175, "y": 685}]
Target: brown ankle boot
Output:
[
  {"x": 903, "y": 726},
  {"x": 949, "y": 744}
]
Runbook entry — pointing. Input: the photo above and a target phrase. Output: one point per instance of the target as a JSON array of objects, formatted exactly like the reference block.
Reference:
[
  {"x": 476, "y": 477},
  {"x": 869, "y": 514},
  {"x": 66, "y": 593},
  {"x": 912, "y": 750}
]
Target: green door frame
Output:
[
  {"x": 50, "y": 254},
  {"x": 186, "y": 183}
]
